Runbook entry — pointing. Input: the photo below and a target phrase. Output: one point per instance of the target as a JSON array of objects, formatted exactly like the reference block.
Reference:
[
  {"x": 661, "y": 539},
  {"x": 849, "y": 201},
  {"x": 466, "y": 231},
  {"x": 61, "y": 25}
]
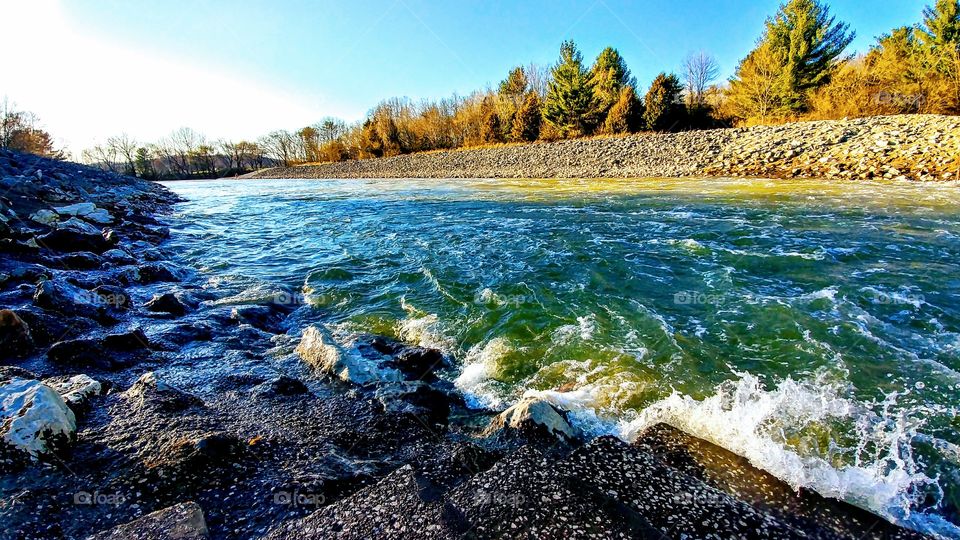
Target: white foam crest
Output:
[
  {"x": 584, "y": 329},
  {"x": 479, "y": 367},
  {"x": 423, "y": 329},
  {"x": 746, "y": 419}
]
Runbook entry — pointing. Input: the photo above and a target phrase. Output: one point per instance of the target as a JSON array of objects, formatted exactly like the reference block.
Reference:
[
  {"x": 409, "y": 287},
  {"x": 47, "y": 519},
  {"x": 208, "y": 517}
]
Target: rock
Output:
[
  {"x": 533, "y": 414},
  {"x": 149, "y": 391},
  {"x": 155, "y": 273},
  {"x": 131, "y": 340},
  {"x": 118, "y": 256},
  {"x": 282, "y": 386},
  {"x": 76, "y": 391},
  {"x": 78, "y": 225},
  {"x": 266, "y": 318},
  {"x": 45, "y": 217},
  {"x": 66, "y": 298},
  {"x": 35, "y": 419},
  {"x": 348, "y": 366},
  {"x": 112, "y": 297},
  {"x": 79, "y": 353},
  {"x": 15, "y": 338},
  {"x": 82, "y": 260},
  {"x": 195, "y": 456},
  {"x": 184, "y": 521},
  {"x": 69, "y": 240},
  {"x": 87, "y": 211},
  {"x": 166, "y": 303},
  {"x": 419, "y": 362}
]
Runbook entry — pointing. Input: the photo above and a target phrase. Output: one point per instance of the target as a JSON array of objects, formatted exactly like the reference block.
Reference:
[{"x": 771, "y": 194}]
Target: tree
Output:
[
  {"x": 570, "y": 103},
  {"x": 143, "y": 163},
  {"x": 125, "y": 148},
  {"x": 625, "y": 115},
  {"x": 663, "y": 103},
  {"x": 942, "y": 23},
  {"x": 609, "y": 76},
  {"x": 19, "y": 130},
  {"x": 526, "y": 123},
  {"x": 700, "y": 70},
  {"x": 515, "y": 86},
  {"x": 797, "y": 54}
]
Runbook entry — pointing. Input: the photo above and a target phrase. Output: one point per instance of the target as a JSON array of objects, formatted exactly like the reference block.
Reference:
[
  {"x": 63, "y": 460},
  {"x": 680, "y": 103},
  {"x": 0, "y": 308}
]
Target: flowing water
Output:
[{"x": 811, "y": 327}]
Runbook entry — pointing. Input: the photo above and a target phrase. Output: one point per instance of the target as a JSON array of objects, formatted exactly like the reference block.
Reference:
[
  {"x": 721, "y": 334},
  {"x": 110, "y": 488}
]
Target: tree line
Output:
[{"x": 797, "y": 70}]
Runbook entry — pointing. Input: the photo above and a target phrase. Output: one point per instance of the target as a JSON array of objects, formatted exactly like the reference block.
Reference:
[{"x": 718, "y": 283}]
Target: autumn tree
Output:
[
  {"x": 626, "y": 114},
  {"x": 570, "y": 103},
  {"x": 526, "y": 123},
  {"x": 19, "y": 130},
  {"x": 662, "y": 106}
]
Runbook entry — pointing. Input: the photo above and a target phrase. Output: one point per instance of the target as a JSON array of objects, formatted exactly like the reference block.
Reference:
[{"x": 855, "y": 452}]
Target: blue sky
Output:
[{"x": 340, "y": 58}]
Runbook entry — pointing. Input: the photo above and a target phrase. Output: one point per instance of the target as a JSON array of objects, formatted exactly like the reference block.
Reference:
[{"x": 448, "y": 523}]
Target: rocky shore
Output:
[
  {"x": 914, "y": 147},
  {"x": 139, "y": 400}
]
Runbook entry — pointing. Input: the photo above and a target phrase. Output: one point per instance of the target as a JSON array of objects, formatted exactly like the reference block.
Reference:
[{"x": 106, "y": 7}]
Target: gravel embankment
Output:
[{"x": 915, "y": 147}]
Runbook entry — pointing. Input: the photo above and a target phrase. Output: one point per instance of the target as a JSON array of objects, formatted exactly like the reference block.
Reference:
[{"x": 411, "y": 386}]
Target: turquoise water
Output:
[{"x": 813, "y": 328}]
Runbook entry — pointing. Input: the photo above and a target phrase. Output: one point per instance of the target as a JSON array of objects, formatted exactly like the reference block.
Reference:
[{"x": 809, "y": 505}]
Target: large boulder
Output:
[
  {"x": 346, "y": 365},
  {"x": 76, "y": 391},
  {"x": 33, "y": 417},
  {"x": 184, "y": 521},
  {"x": 533, "y": 415},
  {"x": 87, "y": 211},
  {"x": 15, "y": 338}
]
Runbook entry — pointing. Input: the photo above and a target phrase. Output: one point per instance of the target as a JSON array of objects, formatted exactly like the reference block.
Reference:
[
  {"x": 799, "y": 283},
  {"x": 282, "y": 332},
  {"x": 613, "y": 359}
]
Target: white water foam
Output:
[{"x": 881, "y": 473}]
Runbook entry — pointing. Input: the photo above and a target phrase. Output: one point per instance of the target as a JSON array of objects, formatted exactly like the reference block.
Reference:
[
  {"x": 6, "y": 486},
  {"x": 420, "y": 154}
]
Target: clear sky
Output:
[{"x": 240, "y": 68}]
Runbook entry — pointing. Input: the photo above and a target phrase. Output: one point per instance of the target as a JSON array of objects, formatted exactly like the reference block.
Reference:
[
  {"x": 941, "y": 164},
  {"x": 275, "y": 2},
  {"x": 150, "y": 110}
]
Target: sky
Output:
[{"x": 240, "y": 68}]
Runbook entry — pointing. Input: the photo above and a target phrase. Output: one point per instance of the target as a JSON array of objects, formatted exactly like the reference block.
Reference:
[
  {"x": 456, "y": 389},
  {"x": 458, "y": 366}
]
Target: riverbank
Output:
[
  {"x": 914, "y": 147},
  {"x": 145, "y": 398}
]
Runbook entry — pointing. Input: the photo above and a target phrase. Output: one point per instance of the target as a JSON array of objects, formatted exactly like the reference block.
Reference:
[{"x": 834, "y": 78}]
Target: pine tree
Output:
[
  {"x": 663, "y": 103},
  {"x": 625, "y": 115},
  {"x": 609, "y": 75},
  {"x": 805, "y": 42},
  {"x": 942, "y": 23},
  {"x": 526, "y": 123},
  {"x": 570, "y": 104},
  {"x": 515, "y": 86}
]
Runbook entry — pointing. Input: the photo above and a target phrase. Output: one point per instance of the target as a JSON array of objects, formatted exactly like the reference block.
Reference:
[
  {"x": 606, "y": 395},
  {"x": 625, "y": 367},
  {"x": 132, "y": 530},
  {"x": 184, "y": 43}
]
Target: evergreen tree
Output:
[
  {"x": 805, "y": 42},
  {"x": 526, "y": 123},
  {"x": 626, "y": 113},
  {"x": 515, "y": 86},
  {"x": 663, "y": 103},
  {"x": 490, "y": 128},
  {"x": 609, "y": 76},
  {"x": 570, "y": 103},
  {"x": 942, "y": 23},
  {"x": 143, "y": 164}
]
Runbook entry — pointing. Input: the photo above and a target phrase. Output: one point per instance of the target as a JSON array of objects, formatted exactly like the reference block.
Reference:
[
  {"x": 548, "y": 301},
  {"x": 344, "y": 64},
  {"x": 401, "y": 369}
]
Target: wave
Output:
[{"x": 879, "y": 473}]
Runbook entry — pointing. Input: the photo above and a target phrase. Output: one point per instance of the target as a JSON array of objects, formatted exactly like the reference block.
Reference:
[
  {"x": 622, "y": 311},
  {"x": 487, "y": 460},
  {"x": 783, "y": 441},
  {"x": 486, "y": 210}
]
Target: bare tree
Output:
[
  {"x": 537, "y": 77},
  {"x": 125, "y": 148},
  {"x": 103, "y": 156},
  {"x": 700, "y": 70},
  {"x": 280, "y": 146}
]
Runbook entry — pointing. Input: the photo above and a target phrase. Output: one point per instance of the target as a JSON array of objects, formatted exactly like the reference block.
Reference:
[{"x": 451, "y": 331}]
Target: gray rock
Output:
[{"x": 183, "y": 521}]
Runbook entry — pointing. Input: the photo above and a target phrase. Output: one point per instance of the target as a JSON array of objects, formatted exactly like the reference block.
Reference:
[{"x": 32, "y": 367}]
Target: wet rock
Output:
[
  {"x": 192, "y": 457},
  {"x": 282, "y": 386},
  {"x": 267, "y": 318},
  {"x": 33, "y": 417},
  {"x": 533, "y": 415},
  {"x": 66, "y": 298},
  {"x": 419, "y": 362},
  {"x": 76, "y": 390},
  {"x": 131, "y": 340},
  {"x": 150, "y": 391},
  {"x": 429, "y": 404},
  {"x": 156, "y": 273},
  {"x": 77, "y": 225},
  {"x": 166, "y": 303},
  {"x": 15, "y": 338},
  {"x": 9, "y": 372},
  {"x": 184, "y": 521},
  {"x": 82, "y": 260},
  {"x": 69, "y": 240},
  {"x": 348, "y": 366},
  {"x": 118, "y": 256},
  {"x": 48, "y": 327},
  {"x": 79, "y": 353}
]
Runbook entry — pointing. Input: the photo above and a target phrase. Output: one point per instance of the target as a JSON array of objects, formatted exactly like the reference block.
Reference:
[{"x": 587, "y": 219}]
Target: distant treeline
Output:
[{"x": 797, "y": 70}]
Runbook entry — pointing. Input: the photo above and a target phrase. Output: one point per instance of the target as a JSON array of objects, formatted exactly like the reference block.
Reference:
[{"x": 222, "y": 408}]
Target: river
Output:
[{"x": 811, "y": 327}]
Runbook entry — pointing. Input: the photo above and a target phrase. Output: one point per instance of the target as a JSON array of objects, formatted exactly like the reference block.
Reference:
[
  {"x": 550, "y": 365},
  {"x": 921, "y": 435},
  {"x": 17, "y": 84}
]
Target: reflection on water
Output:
[{"x": 811, "y": 327}]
